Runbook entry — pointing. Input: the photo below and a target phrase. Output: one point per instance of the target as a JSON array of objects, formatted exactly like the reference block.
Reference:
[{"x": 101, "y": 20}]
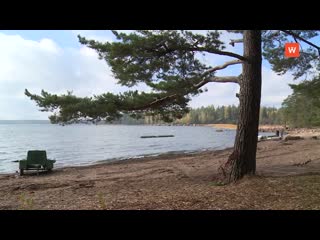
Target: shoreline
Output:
[
  {"x": 129, "y": 160},
  {"x": 262, "y": 128},
  {"x": 169, "y": 155},
  {"x": 175, "y": 181},
  {"x": 294, "y": 134}
]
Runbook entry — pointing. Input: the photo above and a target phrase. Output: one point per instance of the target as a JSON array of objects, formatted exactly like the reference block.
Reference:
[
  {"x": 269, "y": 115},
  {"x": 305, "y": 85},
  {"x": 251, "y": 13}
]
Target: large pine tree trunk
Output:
[{"x": 243, "y": 159}]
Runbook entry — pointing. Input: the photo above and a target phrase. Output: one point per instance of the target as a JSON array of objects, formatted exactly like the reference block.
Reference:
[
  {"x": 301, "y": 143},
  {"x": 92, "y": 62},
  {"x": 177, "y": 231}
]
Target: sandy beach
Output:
[
  {"x": 287, "y": 178},
  {"x": 262, "y": 128}
]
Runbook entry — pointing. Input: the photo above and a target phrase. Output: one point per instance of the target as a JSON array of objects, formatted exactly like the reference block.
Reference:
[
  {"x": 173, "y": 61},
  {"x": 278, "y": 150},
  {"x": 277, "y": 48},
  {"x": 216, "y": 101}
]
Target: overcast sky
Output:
[{"x": 56, "y": 62}]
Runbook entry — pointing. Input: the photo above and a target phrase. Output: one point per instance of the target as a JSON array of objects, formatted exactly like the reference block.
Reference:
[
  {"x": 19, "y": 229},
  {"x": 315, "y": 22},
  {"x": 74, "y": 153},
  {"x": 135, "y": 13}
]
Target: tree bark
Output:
[{"x": 243, "y": 159}]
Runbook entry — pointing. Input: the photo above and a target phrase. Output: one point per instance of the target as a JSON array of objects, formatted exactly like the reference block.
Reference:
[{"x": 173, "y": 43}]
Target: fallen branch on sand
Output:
[
  {"x": 302, "y": 164},
  {"x": 268, "y": 138}
]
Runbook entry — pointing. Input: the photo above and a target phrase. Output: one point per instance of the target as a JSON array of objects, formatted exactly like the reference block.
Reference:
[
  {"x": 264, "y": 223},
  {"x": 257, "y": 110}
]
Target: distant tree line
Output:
[
  {"x": 208, "y": 115},
  {"x": 228, "y": 114}
]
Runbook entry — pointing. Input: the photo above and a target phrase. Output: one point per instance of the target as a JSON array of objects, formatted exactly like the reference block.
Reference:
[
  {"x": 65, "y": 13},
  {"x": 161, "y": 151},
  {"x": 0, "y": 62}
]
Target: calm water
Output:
[{"x": 76, "y": 145}]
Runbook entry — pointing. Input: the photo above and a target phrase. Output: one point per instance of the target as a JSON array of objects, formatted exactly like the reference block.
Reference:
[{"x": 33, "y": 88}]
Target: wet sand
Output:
[{"x": 287, "y": 178}]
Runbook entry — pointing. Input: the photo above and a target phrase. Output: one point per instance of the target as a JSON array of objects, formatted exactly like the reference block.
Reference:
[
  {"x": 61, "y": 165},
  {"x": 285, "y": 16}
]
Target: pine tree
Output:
[
  {"x": 302, "y": 107},
  {"x": 168, "y": 63}
]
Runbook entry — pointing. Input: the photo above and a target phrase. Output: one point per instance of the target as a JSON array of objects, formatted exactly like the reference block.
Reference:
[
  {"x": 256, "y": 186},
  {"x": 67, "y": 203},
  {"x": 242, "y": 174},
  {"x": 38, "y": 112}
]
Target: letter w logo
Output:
[{"x": 292, "y": 50}]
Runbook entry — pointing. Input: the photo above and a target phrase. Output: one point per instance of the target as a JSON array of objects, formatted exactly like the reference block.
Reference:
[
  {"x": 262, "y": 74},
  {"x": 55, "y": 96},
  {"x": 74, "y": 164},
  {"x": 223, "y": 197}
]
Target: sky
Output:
[{"x": 55, "y": 61}]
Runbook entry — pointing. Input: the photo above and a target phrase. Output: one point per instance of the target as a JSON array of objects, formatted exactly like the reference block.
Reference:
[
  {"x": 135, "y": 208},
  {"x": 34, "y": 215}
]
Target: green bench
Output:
[{"x": 36, "y": 160}]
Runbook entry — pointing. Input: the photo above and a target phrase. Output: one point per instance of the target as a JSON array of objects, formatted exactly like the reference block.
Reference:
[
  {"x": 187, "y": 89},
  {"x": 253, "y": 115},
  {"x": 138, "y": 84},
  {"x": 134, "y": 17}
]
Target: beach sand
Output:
[
  {"x": 184, "y": 181},
  {"x": 262, "y": 128},
  {"x": 222, "y": 125}
]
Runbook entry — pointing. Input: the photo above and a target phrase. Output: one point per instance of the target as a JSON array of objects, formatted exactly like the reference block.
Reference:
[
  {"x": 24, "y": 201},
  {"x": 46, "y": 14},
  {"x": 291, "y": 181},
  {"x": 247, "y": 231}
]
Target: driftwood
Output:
[
  {"x": 157, "y": 136},
  {"x": 291, "y": 137},
  {"x": 302, "y": 164},
  {"x": 303, "y": 136},
  {"x": 268, "y": 138}
]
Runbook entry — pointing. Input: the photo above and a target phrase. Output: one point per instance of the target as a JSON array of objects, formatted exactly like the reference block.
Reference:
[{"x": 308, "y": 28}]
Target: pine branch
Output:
[
  {"x": 224, "y": 79},
  {"x": 223, "y": 66},
  {"x": 233, "y": 41},
  {"x": 233, "y": 79},
  {"x": 296, "y": 36},
  {"x": 157, "y": 102},
  {"x": 198, "y": 49},
  {"x": 219, "y": 52}
]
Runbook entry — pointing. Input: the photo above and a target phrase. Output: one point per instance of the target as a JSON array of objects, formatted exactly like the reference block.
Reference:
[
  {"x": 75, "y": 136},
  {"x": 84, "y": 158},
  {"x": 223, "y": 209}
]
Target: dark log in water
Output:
[{"x": 157, "y": 136}]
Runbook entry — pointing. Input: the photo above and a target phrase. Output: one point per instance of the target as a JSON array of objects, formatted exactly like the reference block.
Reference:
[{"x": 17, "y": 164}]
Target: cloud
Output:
[
  {"x": 49, "y": 46},
  {"x": 275, "y": 88},
  {"x": 218, "y": 94},
  {"x": 43, "y": 64}
]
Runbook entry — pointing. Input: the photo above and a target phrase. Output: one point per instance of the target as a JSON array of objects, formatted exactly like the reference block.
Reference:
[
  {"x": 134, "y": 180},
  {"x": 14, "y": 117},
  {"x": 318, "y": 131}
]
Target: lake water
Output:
[{"x": 76, "y": 145}]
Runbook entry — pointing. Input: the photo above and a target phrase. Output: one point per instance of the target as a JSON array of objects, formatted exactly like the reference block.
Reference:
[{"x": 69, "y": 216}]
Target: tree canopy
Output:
[
  {"x": 302, "y": 107},
  {"x": 166, "y": 61}
]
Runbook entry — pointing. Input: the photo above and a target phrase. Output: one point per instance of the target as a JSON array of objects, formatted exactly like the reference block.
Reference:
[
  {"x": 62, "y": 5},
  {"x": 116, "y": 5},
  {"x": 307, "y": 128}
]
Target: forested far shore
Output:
[{"x": 210, "y": 115}]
